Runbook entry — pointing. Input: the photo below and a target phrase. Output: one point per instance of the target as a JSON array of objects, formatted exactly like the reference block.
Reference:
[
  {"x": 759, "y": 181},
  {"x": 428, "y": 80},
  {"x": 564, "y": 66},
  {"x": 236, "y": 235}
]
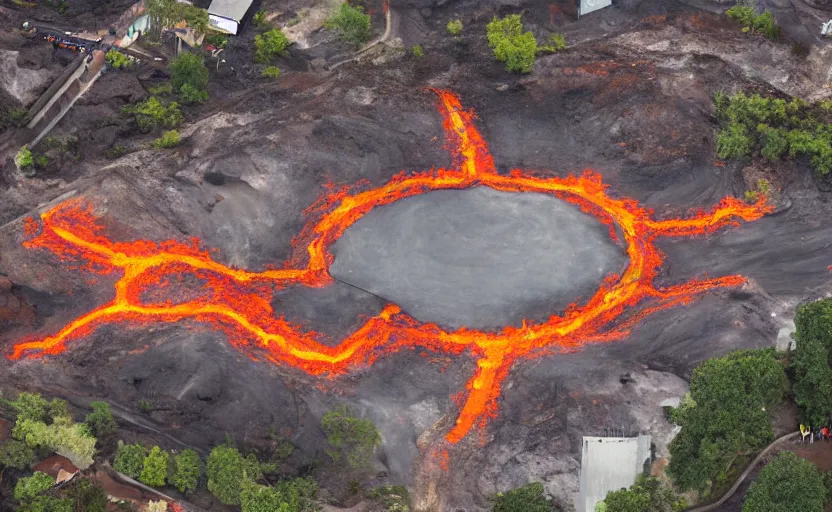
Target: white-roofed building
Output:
[{"x": 226, "y": 15}]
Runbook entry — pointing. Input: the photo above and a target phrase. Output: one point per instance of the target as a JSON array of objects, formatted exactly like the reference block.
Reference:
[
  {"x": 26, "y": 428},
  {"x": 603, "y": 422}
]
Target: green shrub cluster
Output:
[
  {"x": 28, "y": 488},
  {"x": 786, "y": 483},
  {"x": 811, "y": 361},
  {"x": 259, "y": 20},
  {"x": 117, "y": 60},
  {"x": 24, "y": 160},
  {"x": 152, "y": 113},
  {"x": 763, "y": 24},
  {"x": 556, "y": 43},
  {"x": 353, "y": 439},
  {"x": 216, "y": 39},
  {"x": 169, "y": 139},
  {"x": 100, "y": 420},
  {"x": 167, "y": 13},
  {"x": 270, "y": 72},
  {"x": 529, "y": 498},
  {"x": 417, "y": 51},
  {"x": 189, "y": 78},
  {"x": 724, "y": 418},
  {"x": 454, "y": 27},
  {"x": 510, "y": 44},
  {"x": 646, "y": 494},
  {"x": 774, "y": 128},
  {"x": 269, "y": 44},
  {"x": 351, "y": 24},
  {"x": 129, "y": 459}
]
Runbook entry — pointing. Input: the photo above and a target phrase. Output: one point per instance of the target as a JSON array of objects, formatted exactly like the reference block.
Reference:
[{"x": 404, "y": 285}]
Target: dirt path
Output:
[{"x": 777, "y": 442}]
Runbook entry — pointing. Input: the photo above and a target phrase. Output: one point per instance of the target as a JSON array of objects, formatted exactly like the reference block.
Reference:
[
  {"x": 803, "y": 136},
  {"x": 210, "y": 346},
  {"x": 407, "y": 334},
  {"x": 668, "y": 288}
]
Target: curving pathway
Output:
[{"x": 725, "y": 497}]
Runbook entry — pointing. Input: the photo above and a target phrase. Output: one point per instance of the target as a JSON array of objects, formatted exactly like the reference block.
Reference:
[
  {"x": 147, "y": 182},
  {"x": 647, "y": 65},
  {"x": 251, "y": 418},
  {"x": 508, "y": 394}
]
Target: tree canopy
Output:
[
  {"x": 353, "y": 439},
  {"x": 100, "y": 420},
  {"x": 155, "y": 467},
  {"x": 268, "y": 44},
  {"x": 647, "y": 494},
  {"x": 27, "y": 488},
  {"x": 129, "y": 459},
  {"x": 529, "y": 498},
  {"x": 510, "y": 44},
  {"x": 228, "y": 470},
  {"x": 187, "y": 471},
  {"x": 787, "y": 484},
  {"x": 811, "y": 361},
  {"x": 351, "y": 24},
  {"x": 724, "y": 417},
  {"x": 189, "y": 77}
]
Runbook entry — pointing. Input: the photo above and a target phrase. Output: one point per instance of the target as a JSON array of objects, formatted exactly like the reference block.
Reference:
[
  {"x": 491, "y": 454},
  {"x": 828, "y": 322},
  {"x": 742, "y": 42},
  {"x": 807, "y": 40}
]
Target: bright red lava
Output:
[{"x": 237, "y": 301}]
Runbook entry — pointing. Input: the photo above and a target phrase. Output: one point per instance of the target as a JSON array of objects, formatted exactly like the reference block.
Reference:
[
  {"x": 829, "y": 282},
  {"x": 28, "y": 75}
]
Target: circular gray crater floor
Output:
[{"x": 477, "y": 257}]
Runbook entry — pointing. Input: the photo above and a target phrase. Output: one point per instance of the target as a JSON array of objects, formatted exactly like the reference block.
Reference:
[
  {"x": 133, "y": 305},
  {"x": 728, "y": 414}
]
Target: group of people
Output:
[{"x": 821, "y": 435}]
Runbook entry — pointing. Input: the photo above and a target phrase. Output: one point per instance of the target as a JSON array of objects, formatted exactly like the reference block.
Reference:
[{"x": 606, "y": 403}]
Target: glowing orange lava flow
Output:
[{"x": 237, "y": 301}]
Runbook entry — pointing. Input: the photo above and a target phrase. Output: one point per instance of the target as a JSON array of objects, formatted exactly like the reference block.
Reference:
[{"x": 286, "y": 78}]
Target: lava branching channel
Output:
[{"x": 237, "y": 301}]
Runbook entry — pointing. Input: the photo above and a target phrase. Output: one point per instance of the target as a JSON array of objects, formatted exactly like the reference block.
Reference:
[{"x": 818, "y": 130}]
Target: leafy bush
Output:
[
  {"x": 117, "y": 60},
  {"x": 170, "y": 12},
  {"x": 270, "y": 72},
  {"x": 100, "y": 421},
  {"x": 227, "y": 471},
  {"x": 353, "y": 439},
  {"x": 763, "y": 24},
  {"x": 724, "y": 417},
  {"x": 811, "y": 361},
  {"x": 216, "y": 39},
  {"x": 151, "y": 114},
  {"x": 47, "y": 504},
  {"x": 24, "y": 159},
  {"x": 30, "y": 406},
  {"x": 155, "y": 467},
  {"x": 786, "y": 483},
  {"x": 529, "y": 498},
  {"x": 763, "y": 190},
  {"x": 268, "y": 44},
  {"x": 417, "y": 51},
  {"x": 454, "y": 27},
  {"x": 72, "y": 440},
  {"x": 13, "y": 117},
  {"x": 129, "y": 459},
  {"x": 189, "y": 77},
  {"x": 773, "y": 127},
  {"x": 160, "y": 89},
  {"x": 28, "y": 488},
  {"x": 259, "y": 20},
  {"x": 351, "y": 24},
  {"x": 260, "y": 498},
  {"x": 16, "y": 454},
  {"x": 647, "y": 494},
  {"x": 510, "y": 44},
  {"x": 88, "y": 496},
  {"x": 168, "y": 139},
  {"x": 557, "y": 42},
  {"x": 187, "y": 471}
]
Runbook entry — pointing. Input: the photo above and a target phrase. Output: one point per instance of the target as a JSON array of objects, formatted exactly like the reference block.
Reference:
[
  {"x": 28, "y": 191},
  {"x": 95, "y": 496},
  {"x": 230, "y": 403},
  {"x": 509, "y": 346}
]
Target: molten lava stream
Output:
[{"x": 238, "y": 301}]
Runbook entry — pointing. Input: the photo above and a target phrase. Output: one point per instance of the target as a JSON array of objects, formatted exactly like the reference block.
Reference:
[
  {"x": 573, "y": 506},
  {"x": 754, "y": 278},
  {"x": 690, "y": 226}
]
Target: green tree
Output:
[
  {"x": 510, "y": 44},
  {"x": 734, "y": 142},
  {"x": 189, "y": 78},
  {"x": 353, "y": 439},
  {"x": 261, "y": 498},
  {"x": 47, "y": 504},
  {"x": 100, "y": 420},
  {"x": 269, "y": 44},
  {"x": 24, "y": 160},
  {"x": 129, "y": 459},
  {"x": 72, "y": 440},
  {"x": 16, "y": 454},
  {"x": 28, "y": 488},
  {"x": 88, "y": 496},
  {"x": 155, "y": 467},
  {"x": 351, "y": 24},
  {"x": 270, "y": 72},
  {"x": 31, "y": 406},
  {"x": 59, "y": 410},
  {"x": 187, "y": 471},
  {"x": 152, "y": 113},
  {"x": 117, "y": 60},
  {"x": 529, "y": 498},
  {"x": 454, "y": 27},
  {"x": 168, "y": 13},
  {"x": 724, "y": 418},
  {"x": 811, "y": 361},
  {"x": 227, "y": 470},
  {"x": 787, "y": 484},
  {"x": 647, "y": 494}
]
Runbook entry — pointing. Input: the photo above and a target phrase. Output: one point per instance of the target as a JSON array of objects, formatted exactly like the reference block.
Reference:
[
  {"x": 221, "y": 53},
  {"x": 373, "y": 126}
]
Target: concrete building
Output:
[
  {"x": 226, "y": 15},
  {"x": 587, "y": 6},
  {"x": 608, "y": 464}
]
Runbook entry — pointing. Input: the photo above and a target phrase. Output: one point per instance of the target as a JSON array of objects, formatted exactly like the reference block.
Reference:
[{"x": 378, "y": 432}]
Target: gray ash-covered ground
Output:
[{"x": 631, "y": 99}]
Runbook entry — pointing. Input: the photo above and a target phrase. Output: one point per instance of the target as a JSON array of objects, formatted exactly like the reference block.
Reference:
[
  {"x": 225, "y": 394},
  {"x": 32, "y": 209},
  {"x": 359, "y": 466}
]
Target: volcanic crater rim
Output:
[{"x": 478, "y": 257}]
